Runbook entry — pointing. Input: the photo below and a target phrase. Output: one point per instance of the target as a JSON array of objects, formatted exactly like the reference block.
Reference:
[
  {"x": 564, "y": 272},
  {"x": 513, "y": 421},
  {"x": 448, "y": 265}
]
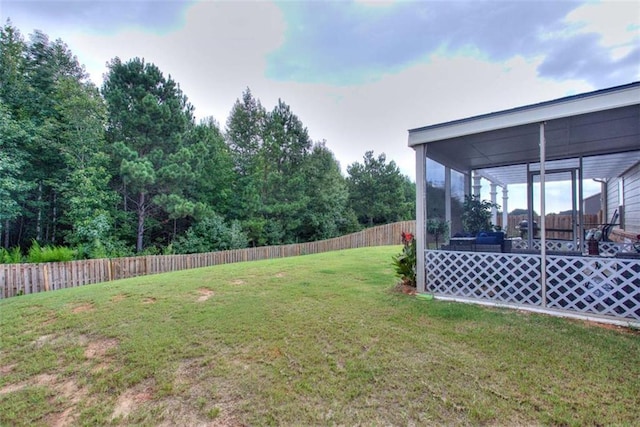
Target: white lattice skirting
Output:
[
  {"x": 605, "y": 248},
  {"x": 595, "y": 285}
]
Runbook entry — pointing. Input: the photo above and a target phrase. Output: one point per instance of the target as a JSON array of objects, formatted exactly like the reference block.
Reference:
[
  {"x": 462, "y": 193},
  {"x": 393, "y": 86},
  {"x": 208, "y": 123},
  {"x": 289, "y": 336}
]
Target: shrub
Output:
[
  {"x": 11, "y": 256},
  {"x": 49, "y": 253},
  {"x": 210, "y": 234},
  {"x": 405, "y": 262}
]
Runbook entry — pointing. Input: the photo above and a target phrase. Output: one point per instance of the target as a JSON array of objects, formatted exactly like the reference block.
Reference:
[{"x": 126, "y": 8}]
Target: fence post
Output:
[{"x": 45, "y": 276}]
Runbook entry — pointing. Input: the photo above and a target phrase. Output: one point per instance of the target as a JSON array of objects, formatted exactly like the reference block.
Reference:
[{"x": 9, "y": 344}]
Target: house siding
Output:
[
  {"x": 632, "y": 200},
  {"x": 613, "y": 201},
  {"x": 631, "y": 185}
]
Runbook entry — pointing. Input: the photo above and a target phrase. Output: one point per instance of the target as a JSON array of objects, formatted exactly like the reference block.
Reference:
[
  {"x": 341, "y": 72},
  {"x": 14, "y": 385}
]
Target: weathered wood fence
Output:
[
  {"x": 19, "y": 279},
  {"x": 553, "y": 223}
]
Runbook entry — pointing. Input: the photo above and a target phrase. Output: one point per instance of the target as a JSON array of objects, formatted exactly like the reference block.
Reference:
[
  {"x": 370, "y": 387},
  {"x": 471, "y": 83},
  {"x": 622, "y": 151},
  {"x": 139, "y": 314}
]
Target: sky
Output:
[{"x": 358, "y": 74}]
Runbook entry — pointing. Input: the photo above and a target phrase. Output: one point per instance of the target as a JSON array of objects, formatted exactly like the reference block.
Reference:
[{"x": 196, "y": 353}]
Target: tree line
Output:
[{"x": 126, "y": 168}]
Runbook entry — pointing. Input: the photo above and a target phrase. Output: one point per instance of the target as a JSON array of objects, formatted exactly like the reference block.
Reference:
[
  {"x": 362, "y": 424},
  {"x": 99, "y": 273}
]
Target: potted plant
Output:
[{"x": 476, "y": 215}]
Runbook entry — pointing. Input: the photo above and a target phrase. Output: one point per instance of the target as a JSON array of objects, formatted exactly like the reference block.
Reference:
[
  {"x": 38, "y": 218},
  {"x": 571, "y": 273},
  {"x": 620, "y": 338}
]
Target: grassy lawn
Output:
[{"x": 313, "y": 340}]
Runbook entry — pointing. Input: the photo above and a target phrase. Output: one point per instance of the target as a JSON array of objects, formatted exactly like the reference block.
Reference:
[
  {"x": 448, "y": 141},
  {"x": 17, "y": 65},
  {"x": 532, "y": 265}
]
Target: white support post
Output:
[
  {"x": 447, "y": 194},
  {"x": 505, "y": 208},
  {"x": 477, "y": 185},
  {"x": 421, "y": 210},
  {"x": 494, "y": 199},
  {"x": 543, "y": 227}
]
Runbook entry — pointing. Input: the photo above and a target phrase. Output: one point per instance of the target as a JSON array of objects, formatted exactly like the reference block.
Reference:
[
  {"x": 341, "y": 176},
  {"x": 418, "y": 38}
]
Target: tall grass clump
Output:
[
  {"x": 10, "y": 256},
  {"x": 49, "y": 253}
]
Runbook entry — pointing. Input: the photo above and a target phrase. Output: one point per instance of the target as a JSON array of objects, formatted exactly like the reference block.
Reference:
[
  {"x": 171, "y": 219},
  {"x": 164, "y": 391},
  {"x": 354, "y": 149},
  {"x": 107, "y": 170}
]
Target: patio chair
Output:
[{"x": 601, "y": 233}]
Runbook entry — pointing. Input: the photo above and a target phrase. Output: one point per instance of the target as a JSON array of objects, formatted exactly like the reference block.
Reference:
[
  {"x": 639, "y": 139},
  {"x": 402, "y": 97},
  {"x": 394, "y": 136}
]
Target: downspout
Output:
[
  {"x": 604, "y": 196},
  {"x": 543, "y": 225}
]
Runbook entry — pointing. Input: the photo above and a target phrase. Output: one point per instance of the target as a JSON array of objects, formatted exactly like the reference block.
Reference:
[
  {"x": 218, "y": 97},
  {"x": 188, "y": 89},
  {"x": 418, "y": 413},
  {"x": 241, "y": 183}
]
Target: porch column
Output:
[
  {"x": 505, "y": 208},
  {"x": 494, "y": 194},
  {"x": 543, "y": 216},
  {"x": 447, "y": 194},
  {"x": 421, "y": 211},
  {"x": 477, "y": 186}
]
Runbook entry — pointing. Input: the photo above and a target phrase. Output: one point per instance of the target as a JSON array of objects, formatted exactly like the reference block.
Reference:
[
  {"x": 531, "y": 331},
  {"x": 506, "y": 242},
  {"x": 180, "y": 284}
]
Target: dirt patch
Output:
[
  {"x": 65, "y": 418},
  {"x": 41, "y": 380},
  {"x": 405, "y": 289},
  {"x": 100, "y": 367},
  {"x": 67, "y": 396},
  {"x": 149, "y": 300},
  {"x": 205, "y": 294},
  {"x": 280, "y": 275},
  {"x": 118, "y": 298},
  {"x": 218, "y": 411},
  {"x": 617, "y": 328},
  {"x": 98, "y": 349},
  {"x": 238, "y": 282},
  {"x": 82, "y": 308},
  {"x": 44, "y": 339},
  {"x": 10, "y": 388},
  {"x": 4, "y": 370},
  {"x": 131, "y": 399},
  {"x": 49, "y": 321},
  {"x": 45, "y": 379},
  {"x": 70, "y": 390},
  {"x": 73, "y": 396}
]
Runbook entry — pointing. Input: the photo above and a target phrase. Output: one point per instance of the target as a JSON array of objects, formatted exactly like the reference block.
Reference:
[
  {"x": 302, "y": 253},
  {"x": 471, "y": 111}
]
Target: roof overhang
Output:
[{"x": 599, "y": 123}]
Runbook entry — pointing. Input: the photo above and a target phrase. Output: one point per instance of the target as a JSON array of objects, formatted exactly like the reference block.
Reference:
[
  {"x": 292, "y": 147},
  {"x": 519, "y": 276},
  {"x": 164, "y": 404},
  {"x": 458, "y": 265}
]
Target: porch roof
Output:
[{"x": 604, "y": 123}]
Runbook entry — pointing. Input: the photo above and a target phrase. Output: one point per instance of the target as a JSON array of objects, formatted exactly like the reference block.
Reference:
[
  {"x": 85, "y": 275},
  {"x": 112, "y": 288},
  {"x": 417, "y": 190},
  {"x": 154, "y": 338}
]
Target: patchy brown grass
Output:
[
  {"x": 82, "y": 308},
  {"x": 98, "y": 349},
  {"x": 205, "y": 294},
  {"x": 330, "y": 342}
]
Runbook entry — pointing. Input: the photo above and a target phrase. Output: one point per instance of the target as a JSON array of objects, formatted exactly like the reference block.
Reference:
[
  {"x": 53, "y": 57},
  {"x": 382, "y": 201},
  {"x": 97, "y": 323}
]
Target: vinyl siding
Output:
[{"x": 632, "y": 200}]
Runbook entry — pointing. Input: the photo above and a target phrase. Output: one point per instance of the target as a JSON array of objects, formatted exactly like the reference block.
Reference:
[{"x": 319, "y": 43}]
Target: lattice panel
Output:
[
  {"x": 612, "y": 248},
  {"x": 552, "y": 245},
  {"x": 605, "y": 248},
  {"x": 494, "y": 276},
  {"x": 519, "y": 244},
  {"x": 594, "y": 285}
]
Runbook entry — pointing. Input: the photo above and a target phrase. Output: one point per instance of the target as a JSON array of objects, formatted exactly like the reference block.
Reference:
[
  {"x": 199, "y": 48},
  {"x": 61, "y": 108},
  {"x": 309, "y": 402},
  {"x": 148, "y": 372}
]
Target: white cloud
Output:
[
  {"x": 218, "y": 53},
  {"x": 617, "y": 22},
  {"x": 222, "y": 48},
  {"x": 376, "y": 116}
]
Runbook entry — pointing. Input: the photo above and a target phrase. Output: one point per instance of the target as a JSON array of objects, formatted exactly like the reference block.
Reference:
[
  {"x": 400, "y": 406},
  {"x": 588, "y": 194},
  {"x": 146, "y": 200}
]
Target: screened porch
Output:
[{"x": 543, "y": 247}]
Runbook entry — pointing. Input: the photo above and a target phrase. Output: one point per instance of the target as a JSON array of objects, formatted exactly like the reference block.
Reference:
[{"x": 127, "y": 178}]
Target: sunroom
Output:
[{"x": 543, "y": 162}]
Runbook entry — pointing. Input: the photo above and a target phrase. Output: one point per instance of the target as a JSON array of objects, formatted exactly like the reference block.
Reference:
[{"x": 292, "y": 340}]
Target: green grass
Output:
[{"x": 313, "y": 340}]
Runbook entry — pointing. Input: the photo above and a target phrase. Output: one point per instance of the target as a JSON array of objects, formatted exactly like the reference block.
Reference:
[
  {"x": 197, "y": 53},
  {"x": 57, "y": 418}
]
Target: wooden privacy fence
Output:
[
  {"x": 553, "y": 223},
  {"x": 19, "y": 279}
]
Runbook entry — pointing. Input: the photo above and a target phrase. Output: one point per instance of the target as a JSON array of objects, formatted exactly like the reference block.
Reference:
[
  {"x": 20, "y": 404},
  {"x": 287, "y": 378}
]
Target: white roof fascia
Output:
[{"x": 526, "y": 115}]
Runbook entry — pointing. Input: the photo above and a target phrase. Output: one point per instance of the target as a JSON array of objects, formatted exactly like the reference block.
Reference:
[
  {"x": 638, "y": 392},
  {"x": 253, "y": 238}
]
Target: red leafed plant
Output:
[{"x": 405, "y": 262}]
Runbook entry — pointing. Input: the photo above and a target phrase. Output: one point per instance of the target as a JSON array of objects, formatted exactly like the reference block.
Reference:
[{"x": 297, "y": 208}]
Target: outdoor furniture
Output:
[
  {"x": 486, "y": 241},
  {"x": 466, "y": 244},
  {"x": 602, "y": 232}
]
